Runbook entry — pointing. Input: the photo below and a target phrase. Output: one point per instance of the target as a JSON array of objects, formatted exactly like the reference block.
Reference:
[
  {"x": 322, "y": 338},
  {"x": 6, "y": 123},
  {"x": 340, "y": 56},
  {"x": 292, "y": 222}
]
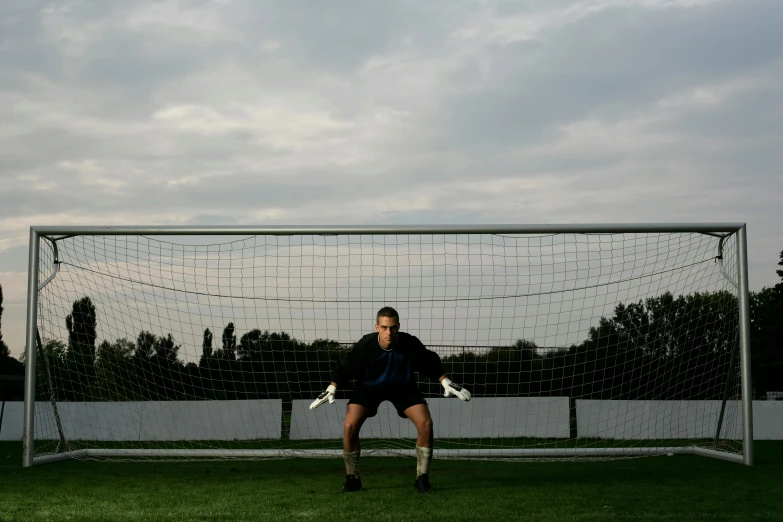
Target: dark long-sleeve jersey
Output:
[{"x": 372, "y": 365}]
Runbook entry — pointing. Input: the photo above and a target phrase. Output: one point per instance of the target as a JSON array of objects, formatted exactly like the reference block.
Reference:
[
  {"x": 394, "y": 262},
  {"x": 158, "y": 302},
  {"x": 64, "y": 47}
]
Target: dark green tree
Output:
[
  {"x": 8, "y": 366},
  {"x": 144, "y": 345},
  {"x": 56, "y": 351},
  {"x": 4, "y": 351},
  {"x": 766, "y": 337},
  {"x": 116, "y": 352},
  {"x": 229, "y": 339},
  {"x": 114, "y": 371},
  {"x": 780, "y": 272},
  {"x": 206, "y": 344},
  {"x": 165, "y": 371},
  {"x": 255, "y": 343},
  {"x": 166, "y": 349},
  {"x": 81, "y": 325},
  {"x": 79, "y": 372},
  {"x": 249, "y": 348}
]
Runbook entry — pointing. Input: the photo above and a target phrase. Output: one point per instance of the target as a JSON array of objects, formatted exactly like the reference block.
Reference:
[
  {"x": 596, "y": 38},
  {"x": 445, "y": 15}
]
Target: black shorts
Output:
[{"x": 401, "y": 398}]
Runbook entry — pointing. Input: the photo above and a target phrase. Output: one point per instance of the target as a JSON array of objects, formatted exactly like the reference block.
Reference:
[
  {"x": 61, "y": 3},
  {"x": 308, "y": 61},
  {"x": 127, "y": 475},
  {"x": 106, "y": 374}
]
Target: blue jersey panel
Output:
[{"x": 393, "y": 366}]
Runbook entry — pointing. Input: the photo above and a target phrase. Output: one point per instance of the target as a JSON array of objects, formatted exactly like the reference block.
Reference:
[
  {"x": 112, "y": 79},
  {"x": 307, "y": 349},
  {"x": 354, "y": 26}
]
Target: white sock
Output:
[
  {"x": 423, "y": 458},
  {"x": 351, "y": 462}
]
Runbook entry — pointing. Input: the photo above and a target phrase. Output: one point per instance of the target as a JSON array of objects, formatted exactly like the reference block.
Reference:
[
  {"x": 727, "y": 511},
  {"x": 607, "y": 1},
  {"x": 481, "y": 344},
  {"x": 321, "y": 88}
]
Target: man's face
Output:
[{"x": 387, "y": 328}]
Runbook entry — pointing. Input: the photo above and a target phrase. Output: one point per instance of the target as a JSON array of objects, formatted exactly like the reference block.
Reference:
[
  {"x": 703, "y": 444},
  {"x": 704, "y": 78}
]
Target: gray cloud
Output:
[{"x": 611, "y": 63}]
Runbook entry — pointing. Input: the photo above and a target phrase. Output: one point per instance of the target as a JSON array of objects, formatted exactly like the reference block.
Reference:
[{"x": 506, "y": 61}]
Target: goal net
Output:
[{"x": 574, "y": 345}]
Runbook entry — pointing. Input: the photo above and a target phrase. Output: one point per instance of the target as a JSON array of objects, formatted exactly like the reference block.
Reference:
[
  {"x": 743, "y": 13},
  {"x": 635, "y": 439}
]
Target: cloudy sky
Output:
[{"x": 298, "y": 113}]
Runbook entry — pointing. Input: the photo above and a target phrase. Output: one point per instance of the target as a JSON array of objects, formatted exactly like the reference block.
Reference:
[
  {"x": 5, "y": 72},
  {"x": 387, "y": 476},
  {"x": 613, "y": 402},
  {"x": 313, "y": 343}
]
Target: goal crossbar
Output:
[{"x": 584, "y": 228}]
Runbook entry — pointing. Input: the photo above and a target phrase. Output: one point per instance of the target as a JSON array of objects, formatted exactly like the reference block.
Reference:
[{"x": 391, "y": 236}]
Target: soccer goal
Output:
[{"x": 576, "y": 341}]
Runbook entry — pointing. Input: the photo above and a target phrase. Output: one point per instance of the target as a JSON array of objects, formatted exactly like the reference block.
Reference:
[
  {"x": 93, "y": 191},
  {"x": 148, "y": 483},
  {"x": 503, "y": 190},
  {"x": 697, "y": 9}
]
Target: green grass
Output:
[{"x": 652, "y": 488}]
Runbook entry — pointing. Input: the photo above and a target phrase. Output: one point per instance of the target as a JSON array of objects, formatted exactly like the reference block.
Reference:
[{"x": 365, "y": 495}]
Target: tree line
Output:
[
  {"x": 9, "y": 367},
  {"x": 663, "y": 347}
]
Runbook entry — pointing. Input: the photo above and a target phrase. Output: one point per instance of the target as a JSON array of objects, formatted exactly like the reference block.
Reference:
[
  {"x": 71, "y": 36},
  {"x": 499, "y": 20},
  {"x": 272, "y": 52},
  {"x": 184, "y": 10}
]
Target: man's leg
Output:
[
  {"x": 354, "y": 418},
  {"x": 419, "y": 414}
]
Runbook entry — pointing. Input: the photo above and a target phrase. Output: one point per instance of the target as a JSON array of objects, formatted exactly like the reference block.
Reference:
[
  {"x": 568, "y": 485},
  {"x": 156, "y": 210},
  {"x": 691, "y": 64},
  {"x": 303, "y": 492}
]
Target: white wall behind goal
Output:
[
  {"x": 452, "y": 418},
  {"x": 637, "y": 420},
  {"x": 151, "y": 420},
  {"x": 243, "y": 420}
]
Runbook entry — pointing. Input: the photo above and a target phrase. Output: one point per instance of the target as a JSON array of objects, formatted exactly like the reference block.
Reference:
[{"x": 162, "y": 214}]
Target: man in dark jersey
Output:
[{"x": 383, "y": 364}]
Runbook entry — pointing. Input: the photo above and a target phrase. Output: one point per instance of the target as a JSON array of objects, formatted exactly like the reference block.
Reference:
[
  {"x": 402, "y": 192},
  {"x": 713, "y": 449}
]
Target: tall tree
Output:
[
  {"x": 81, "y": 324},
  {"x": 206, "y": 344},
  {"x": 780, "y": 263},
  {"x": 229, "y": 343},
  {"x": 4, "y": 351}
]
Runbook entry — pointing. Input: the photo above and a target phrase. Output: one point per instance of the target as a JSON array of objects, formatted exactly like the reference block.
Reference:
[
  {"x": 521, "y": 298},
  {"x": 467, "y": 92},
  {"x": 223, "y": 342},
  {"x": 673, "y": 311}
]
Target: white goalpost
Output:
[{"x": 576, "y": 341}]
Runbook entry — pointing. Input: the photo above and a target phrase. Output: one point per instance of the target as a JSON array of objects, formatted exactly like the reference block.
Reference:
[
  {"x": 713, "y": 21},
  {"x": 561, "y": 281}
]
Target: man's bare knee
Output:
[
  {"x": 424, "y": 426},
  {"x": 350, "y": 428}
]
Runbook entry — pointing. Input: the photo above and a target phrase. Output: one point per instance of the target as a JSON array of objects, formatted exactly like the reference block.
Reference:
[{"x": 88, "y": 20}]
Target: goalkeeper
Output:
[{"x": 383, "y": 364}]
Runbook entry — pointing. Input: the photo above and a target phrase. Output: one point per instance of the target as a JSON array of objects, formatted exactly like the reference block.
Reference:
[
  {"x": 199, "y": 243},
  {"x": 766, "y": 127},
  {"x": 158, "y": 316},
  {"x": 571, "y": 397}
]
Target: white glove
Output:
[
  {"x": 453, "y": 388},
  {"x": 328, "y": 395}
]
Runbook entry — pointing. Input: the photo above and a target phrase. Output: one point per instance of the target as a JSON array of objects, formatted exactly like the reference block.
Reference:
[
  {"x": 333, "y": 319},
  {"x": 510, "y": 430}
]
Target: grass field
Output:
[{"x": 651, "y": 488}]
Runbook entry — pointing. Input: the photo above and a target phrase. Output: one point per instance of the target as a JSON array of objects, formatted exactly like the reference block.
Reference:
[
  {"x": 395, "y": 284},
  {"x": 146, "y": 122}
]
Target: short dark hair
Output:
[{"x": 387, "y": 311}]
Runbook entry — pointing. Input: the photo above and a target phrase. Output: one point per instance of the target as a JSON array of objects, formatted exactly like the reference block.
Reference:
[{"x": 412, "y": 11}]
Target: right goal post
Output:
[{"x": 576, "y": 341}]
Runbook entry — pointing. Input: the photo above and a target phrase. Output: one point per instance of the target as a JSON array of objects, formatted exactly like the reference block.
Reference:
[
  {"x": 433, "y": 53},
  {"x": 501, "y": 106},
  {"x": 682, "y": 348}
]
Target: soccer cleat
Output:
[
  {"x": 422, "y": 484},
  {"x": 352, "y": 483}
]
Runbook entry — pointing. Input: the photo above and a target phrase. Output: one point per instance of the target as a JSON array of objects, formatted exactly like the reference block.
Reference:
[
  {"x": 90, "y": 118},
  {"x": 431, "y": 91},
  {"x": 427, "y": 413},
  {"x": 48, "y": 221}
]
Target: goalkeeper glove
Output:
[
  {"x": 453, "y": 388},
  {"x": 328, "y": 395}
]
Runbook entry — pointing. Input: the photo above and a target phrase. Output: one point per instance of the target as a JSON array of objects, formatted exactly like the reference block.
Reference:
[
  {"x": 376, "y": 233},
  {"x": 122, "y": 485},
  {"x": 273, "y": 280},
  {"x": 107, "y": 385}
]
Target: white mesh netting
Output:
[{"x": 572, "y": 344}]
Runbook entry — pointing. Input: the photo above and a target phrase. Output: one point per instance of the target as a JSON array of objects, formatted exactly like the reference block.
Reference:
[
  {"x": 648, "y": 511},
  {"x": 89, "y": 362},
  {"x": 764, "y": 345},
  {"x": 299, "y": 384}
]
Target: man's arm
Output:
[
  {"x": 348, "y": 366},
  {"x": 346, "y": 369},
  {"x": 429, "y": 364}
]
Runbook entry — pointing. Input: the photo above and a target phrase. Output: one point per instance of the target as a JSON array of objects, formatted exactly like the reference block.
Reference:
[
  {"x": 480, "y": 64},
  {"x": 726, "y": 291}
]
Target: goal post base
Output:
[
  {"x": 510, "y": 453},
  {"x": 731, "y": 457},
  {"x": 57, "y": 457}
]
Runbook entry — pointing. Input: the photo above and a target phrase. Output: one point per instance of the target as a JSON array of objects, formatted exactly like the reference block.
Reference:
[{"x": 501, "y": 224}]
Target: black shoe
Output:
[
  {"x": 352, "y": 483},
  {"x": 422, "y": 484}
]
